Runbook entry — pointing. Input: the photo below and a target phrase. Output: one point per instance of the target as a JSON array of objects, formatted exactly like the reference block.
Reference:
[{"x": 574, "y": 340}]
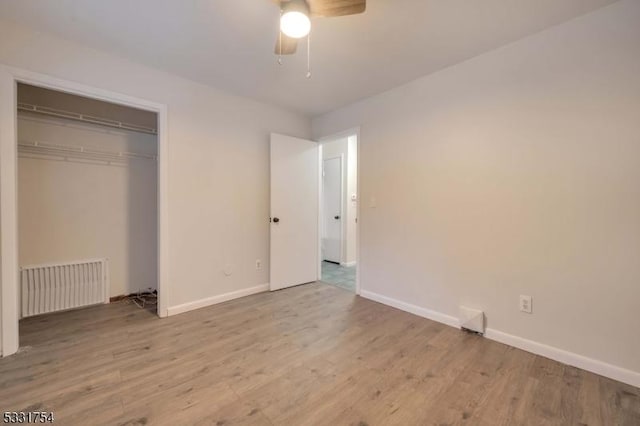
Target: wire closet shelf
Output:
[
  {"x": 66, "y": 152},
  {"x": 25, "y": 107},
  {"x": 40, "y": 149}
]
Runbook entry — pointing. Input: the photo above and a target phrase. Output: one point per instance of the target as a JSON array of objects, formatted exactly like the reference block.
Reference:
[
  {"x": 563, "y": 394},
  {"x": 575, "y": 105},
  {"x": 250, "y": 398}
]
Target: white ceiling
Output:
[{"x": 229, "y": 44}]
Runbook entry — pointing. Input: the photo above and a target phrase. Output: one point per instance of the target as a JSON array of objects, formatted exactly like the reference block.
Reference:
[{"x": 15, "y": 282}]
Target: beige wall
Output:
[
  {"x": 516, "y": 172},
  {"x": 218, "y": 160},
  {"x": 73, "y": 210}
]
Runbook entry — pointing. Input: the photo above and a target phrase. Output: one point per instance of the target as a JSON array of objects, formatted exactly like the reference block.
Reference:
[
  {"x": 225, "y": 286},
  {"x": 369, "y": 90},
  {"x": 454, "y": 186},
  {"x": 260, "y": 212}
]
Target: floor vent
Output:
[{"x": 472, "y": 320}]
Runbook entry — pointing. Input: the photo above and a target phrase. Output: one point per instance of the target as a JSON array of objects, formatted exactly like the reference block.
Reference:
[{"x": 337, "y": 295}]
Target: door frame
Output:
[
  {"x": 342, "y": 204},
  {"x": 9, "y": 263},
  {"x": 354, "y": 131}
]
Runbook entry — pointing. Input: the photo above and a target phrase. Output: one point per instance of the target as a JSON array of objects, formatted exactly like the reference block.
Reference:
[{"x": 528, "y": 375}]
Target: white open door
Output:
[
  {"x": 294, "y": 211},
  {"x": 332, "y": 210}
]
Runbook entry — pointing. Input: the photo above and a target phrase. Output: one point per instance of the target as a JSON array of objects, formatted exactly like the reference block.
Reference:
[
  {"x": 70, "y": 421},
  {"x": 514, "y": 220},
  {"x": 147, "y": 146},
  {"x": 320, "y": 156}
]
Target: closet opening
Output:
[{"x": 87, "y": 203}]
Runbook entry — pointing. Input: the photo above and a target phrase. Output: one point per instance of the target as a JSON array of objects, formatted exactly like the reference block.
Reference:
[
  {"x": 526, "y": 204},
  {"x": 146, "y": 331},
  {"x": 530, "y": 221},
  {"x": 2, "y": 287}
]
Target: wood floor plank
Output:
[
  {"x": 308, "y": 355},
  {"x": 503, "y": 397}
]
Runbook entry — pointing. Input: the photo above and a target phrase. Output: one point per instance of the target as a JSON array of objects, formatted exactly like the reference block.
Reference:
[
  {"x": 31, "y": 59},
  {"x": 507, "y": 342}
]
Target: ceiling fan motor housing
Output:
[{"x": 295, "y": 6}]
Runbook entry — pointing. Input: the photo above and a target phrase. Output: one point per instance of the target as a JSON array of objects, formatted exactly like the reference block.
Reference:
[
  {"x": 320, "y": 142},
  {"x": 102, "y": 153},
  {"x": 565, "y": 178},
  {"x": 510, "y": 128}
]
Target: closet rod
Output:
[
  {"x": 84, "y": 118},
  {"x": 43, "y": 148}
]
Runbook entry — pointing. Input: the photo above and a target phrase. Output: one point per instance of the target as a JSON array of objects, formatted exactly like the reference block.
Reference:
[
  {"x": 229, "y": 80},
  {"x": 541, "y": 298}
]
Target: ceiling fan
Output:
[{"x": 295, "y": 20}]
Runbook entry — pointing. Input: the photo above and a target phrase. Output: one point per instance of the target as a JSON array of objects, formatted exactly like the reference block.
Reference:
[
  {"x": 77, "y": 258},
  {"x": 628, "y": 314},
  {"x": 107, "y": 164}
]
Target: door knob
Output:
[
  {"x": 276, "y": 220},
  {"x": 336, "y": 217}
]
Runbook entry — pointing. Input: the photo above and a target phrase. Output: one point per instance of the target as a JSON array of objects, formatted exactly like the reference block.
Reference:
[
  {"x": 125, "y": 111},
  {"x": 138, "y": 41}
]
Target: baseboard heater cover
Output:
[{"x": 56, "y": 287}]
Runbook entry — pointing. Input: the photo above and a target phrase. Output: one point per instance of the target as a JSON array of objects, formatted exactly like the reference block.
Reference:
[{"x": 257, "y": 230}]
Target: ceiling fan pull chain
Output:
[
  {"x": 309, "y": 55},
  {"x": 280, "y": 43}
]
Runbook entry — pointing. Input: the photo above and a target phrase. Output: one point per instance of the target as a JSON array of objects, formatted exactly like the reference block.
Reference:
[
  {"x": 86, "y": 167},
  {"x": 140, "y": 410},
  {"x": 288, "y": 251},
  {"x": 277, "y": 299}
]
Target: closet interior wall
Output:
[{"x": 88, "y": 191}]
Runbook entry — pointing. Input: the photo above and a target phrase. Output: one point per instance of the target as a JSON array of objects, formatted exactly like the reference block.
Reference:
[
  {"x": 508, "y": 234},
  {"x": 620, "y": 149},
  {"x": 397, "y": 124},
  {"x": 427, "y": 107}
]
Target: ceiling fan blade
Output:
[
  {"x": 329, "y": 8},
  {"x": 289, "y": 45}
]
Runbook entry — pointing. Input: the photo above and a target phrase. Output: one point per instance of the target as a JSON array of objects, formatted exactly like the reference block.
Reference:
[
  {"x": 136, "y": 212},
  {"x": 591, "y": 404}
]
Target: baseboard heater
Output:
[{"x": 56, "y": 287}]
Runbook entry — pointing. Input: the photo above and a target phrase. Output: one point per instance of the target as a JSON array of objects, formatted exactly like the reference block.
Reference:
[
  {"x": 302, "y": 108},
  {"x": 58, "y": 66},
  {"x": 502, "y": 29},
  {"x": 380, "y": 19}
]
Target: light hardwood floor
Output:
[{"x": 313, "y": 354}]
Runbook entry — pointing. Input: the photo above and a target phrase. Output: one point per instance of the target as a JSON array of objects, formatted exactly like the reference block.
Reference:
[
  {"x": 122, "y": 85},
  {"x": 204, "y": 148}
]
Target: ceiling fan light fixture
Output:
[{"x": 295, "y": 22}]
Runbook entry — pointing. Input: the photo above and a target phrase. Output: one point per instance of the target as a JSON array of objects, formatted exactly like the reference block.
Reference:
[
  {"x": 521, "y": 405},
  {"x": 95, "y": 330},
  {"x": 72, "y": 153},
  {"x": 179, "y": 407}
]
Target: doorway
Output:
[
  {"x": 339, "y": 211},
  {"x": 9, "y": 263},
  {"x": 310, "y": 239}
]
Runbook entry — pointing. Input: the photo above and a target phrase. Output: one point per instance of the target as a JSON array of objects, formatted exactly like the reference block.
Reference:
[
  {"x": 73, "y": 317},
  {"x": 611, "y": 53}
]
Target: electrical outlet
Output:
[
  {"x": 258, "y": 264},
  {"x": 525, "y": 304}
]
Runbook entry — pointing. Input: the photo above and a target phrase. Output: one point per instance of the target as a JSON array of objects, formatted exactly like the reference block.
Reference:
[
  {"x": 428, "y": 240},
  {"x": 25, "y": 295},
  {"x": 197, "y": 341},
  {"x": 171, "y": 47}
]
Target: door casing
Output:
[{"x": 9, "y": 268}]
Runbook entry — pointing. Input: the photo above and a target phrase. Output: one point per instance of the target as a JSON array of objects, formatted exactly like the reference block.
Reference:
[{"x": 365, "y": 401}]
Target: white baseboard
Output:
[
  {"x": 416, "y": 310},
  {"x": 348, "y": 263},
  {"x": 197, "y": 304},
  {"x": 570, "y": 358}
]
